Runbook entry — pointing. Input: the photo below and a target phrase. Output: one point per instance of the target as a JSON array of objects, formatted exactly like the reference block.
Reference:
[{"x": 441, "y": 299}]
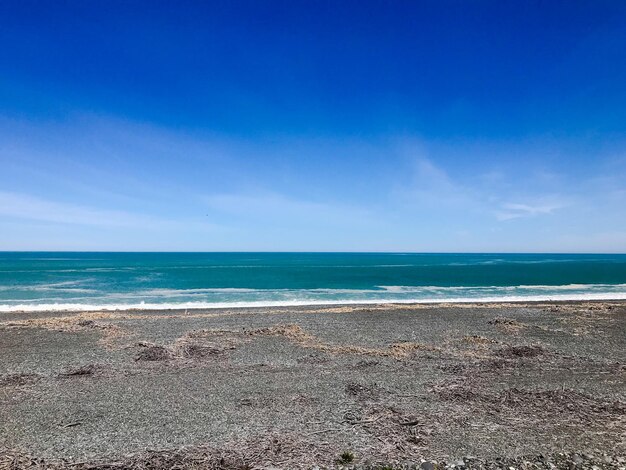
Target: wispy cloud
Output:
[
  {"x": 429, "y": 186},
  {"x": 28, "y": 207},
  {"x": 167, "y": 189},
  {"x": 510, "y": 211},
  {"x": 24, "y": 206},
  {"x": 271, "y": 206}
]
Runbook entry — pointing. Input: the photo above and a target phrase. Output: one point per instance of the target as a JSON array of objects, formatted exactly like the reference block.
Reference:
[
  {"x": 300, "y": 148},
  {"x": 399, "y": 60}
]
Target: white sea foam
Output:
[{"x": 73, "y": 307}]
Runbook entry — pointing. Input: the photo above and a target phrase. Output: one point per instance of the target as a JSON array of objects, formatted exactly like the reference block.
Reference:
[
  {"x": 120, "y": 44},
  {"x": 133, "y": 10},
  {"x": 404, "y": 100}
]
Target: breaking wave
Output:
[{"x": 208, "y": 298}]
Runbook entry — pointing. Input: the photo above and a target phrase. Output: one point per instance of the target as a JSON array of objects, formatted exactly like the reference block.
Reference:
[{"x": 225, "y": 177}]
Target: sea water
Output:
[{"x": 77, "y": 281}]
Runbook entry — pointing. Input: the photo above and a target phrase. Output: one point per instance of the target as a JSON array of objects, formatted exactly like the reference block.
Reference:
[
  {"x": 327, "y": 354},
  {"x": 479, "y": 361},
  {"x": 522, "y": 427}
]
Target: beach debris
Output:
[
  {"x": 579, "y": 406},
  {"x": 454, "y": 368},
  {"x": 313, "y": 359},
  {"x": 362, "y": 391},
  {"x": 455, "y": 390},
  {"x": 71, "y": 425},
  {"x": 198, "y": 351},
  {"x": 203, "y": 458},
  {"x": 18, "y": 380},
  {"x": 477, "y": 339},
  {"x": 191, "y": 346},
  {"x": 521, "y": 351},
  {"x": 153, "y": 352},
  {"x": 365, "y": 363},
  {"x": 89, "y": 369},
  {"x": 508, "y": 325}
]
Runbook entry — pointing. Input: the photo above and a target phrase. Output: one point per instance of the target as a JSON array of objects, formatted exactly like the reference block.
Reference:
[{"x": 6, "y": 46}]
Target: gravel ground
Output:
[{"x": 541, "y": 385}]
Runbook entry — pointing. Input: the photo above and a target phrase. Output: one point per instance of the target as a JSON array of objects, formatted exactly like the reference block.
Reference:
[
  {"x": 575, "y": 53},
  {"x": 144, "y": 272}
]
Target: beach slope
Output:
[{"x": 532, "y": 385}]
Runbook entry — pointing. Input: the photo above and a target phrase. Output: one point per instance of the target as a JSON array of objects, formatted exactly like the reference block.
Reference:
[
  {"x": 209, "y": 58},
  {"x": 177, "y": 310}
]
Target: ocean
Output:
[{"x": 32, "y": 281}]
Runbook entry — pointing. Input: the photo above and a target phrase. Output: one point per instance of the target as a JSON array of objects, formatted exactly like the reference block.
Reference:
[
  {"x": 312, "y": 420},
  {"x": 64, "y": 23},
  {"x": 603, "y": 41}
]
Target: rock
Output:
[{"x": 427, "y": 466}]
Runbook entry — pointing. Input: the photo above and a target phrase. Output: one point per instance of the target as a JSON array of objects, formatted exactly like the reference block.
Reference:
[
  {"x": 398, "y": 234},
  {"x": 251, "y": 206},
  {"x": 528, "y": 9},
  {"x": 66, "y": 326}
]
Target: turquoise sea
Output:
[{"x": 76, "y": 281}]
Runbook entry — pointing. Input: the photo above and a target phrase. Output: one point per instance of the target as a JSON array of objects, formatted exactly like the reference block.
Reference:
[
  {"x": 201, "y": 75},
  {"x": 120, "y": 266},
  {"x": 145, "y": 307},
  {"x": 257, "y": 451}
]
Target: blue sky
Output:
[{"x": 313, "y": 126}]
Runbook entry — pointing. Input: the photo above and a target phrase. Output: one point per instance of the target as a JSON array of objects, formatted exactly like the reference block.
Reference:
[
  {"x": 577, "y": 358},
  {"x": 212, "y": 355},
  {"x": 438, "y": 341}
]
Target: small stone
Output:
[{"x": 427, "y": 466}]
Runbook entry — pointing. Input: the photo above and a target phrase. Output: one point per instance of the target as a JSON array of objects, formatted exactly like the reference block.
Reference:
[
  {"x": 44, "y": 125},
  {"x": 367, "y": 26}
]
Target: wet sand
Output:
[{"x": 395, "y": 385}]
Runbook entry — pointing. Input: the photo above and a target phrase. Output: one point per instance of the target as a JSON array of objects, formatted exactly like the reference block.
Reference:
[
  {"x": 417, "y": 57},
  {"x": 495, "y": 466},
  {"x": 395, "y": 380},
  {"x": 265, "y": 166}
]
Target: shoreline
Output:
[{"x": 194, "y": 306}]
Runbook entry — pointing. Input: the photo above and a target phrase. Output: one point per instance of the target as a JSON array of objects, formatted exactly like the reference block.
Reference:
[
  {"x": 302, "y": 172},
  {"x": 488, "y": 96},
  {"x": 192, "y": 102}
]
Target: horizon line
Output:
[{"x": 325, "y": 252}]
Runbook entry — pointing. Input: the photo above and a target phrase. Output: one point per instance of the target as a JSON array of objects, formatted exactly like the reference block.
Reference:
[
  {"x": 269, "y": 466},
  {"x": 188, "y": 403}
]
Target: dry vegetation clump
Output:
[
  {"x": 293, "y": 332},
  {"x": 507, "y": 325},
  {"x": 70, "y": 323},
  {"x": 578, "y": 307},
  {"x": 362, "y": 391},
  {"x": 398, "y": 432},
  {"x": 455, "y": 368},
  {"x": 198, "y": 351},
  {"x": 18, "y": 380},
  {"x": 153, "y": 352},
  {"x": 521, "y": 351},
  {"x": 191, "y": 346},
  {"x": 570, "y": 406},
  {"x": 456, "y": 390},
  {"x": 495, "y": 365},
  {"x": 201, "y": 344},
  {"x": 86, "y": 370},
  {"x": 77, "y": 323},
  {"x": 588, "y": 319},
  {"x": 313, "y": 359},
  {"x": 297, "y": 335},
  {"x": 198, "y": 459},
  {"x": 210, "y": 459},
  {"x": 365, "y": 363},
  {"x": 562, "y": 401},
  {"x": 258, "y": 401},
  {"x": 406, "y": 348},
  {"x": 478, "y": 340},
  {"x": 506, "y": 358}
]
